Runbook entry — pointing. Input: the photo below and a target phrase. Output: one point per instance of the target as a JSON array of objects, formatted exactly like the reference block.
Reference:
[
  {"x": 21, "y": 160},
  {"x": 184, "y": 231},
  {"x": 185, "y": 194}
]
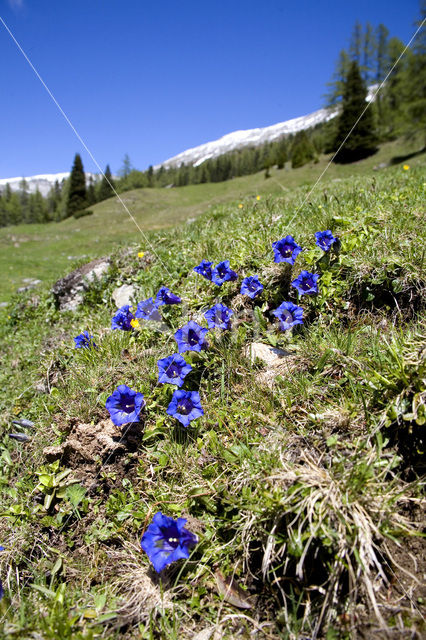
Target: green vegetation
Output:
[
  {"x": 76, "y": 196},
  {"x": 362, "y": 141},
  {"x": 47, "y": 251},
  {"x": 303, "y": 484}
]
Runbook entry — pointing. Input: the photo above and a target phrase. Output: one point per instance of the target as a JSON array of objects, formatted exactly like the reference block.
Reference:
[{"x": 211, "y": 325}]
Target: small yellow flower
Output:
[
  {"x": 406, "y": 167},
  {"x": 135, "y": 323},
  {"x": 257, "y": 197},
  {"x": 141, "y": 254},
  {"x": 240, "y": 206}
]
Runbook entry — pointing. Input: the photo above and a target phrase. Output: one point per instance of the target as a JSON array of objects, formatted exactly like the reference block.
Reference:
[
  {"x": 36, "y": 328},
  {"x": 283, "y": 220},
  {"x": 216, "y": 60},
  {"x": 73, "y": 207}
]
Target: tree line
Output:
[{"x": 399, "y": 109}]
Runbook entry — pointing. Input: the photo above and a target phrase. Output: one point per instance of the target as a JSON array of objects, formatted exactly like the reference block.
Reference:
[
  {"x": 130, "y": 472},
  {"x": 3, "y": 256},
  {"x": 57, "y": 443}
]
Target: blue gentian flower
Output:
[
  {"x": 222, "y": 273},
  {"x": 185, "y": 406},
  {"x": 172, "y": 370},
  {"x": 204, "y": 269},
  {"x": 123, "y": 318},
  {"x": 191, "y": 337},
  {"x": 325, "y": 239},
  {"x": 286, "y": 250},
  {"x": 306, "y": 283},
  {"x": 219, "y": 317},
  {"x": 84, "y": 341},
  {"x": 289, "y": 315},
  {"x": 165, "y": 296},
  {"x": 148, "y": 310},
  {"x": 167, "y": 540},
  {"x": 251, "y": 286},
  {"x": 125, "y": 405}
]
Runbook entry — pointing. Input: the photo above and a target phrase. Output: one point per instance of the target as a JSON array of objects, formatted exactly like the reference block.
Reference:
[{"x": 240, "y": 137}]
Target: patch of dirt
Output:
[{"x": 89, "y": 446}]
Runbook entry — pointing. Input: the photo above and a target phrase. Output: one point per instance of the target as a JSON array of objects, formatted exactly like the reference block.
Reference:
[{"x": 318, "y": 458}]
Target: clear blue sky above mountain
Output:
[{"x": 152, "y": 79}]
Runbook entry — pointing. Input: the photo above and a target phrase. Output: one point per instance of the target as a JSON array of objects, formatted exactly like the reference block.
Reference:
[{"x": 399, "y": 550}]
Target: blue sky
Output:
[{"x": 152, "y": 79}]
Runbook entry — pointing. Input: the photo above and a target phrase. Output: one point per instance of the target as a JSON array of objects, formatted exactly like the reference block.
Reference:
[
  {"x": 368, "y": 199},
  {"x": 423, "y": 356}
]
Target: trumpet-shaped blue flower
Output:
[
  {"x": 306, "y": 283},
  {"x": 289, "y": 315},
  {"x": 286, "y": 250},
  {"x": 219, "y": 317},
  {"x": 84, "y": 341},
  {"x": 204, "y": 269},
  {"x": 325, "y": 239},
  {"x": 172, "y": 370},
  {"x": 165, "y": 296},
  {"x": 185, "y": 406},
  {"x": 251, "y": 286},
  {"x": 123, "y": 318},
  {"x": 191, "y": 337},
  {"x": 125, "y": 405},
  {"x": 167, "y": 540},
  {"x": 148, "y": 310},
  {"x": 222, "y": 273}
]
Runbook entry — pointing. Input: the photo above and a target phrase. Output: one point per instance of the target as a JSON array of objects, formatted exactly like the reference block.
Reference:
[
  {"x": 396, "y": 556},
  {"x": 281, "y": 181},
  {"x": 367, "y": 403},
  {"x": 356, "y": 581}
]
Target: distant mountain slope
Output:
[
  {"x": 43, "y": 182},
  {"x": 253, "y": 137},
  {"x": 248, "y": 137}
]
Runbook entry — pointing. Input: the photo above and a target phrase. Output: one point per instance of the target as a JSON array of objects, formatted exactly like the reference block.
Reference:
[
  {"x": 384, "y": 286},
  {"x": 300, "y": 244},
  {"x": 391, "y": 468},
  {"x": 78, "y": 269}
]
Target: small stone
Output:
[
  {"x": 278, "y": 362},
  {"x": 123, "y": 295}
]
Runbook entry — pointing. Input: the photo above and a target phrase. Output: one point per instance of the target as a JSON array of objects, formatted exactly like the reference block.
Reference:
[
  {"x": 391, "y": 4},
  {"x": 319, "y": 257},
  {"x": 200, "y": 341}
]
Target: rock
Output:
[
  {"x": 382, "y": 165},
  {"x": 278, "y": 362},
  {"x": 30, "y": 284},
  {"x": 69, "y": 291},
  {"x": 123, "y": 295}
]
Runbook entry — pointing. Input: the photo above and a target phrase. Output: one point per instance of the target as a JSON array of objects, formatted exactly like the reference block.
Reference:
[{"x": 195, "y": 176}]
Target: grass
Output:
[
  {"x": 48, "y": 251},
  {"x": 304, "y": 492}
]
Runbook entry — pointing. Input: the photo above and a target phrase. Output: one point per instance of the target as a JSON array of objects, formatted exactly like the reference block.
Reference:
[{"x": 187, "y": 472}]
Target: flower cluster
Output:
[
  {"x": 219, "y": 274},
  {"x": 166, "y": 539}
]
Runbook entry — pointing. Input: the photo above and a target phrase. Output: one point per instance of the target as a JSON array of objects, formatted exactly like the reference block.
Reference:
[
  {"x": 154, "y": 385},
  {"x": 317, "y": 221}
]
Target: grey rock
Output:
[
  {"x": 30, "y": 284},
  {"x": 278, "y": 362},
  {"x": 382, "y": 165},
  {"x": 123, "y": 295},
  {"x": 69, "y": 291}
]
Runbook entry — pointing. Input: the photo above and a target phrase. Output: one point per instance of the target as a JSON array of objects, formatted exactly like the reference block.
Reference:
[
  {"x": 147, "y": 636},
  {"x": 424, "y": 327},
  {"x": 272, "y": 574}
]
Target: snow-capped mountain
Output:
[
  {"x": 247, "y": 137},
  {"x": 42, "y": 183},
  {"x": 253, "y": 137}
]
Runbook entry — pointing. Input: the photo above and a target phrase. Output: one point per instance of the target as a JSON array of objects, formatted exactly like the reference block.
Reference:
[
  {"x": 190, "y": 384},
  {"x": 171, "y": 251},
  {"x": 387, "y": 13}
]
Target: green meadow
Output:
[
  {"x": 48, "y": 251},
  {"x": 303, "y": 480}
]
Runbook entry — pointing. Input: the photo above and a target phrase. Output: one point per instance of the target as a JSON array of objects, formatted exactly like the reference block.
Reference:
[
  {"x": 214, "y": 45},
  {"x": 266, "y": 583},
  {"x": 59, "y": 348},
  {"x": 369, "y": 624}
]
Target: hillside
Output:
[
  {"x": 301, "y": 480},
  {"x": 47, "y": 251}
]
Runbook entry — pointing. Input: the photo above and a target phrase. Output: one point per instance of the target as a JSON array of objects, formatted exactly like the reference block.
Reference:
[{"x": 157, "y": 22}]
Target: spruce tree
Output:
[
  {"x": 76, "y": 200},
  {"x": 106, "y": 188},
  {"x": 362, "y": 141},
  {"x": 302, "y": 150}
]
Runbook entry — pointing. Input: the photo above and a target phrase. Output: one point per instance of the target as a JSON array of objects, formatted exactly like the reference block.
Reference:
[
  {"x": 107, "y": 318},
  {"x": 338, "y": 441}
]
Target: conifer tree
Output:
[
  {"x": 76, "y": 200},
  {"x": 362, "y": 141},
  {"x": 126, "y": 167},
  {"x": 302, "y": 150},
  {"x": 369, "y": 51},
  {"x": 91, "y": 193},
  {"x": 106, "y": 188},
  {"x": 337, "y": 83},
  {"x": 356, "y": 43}
]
